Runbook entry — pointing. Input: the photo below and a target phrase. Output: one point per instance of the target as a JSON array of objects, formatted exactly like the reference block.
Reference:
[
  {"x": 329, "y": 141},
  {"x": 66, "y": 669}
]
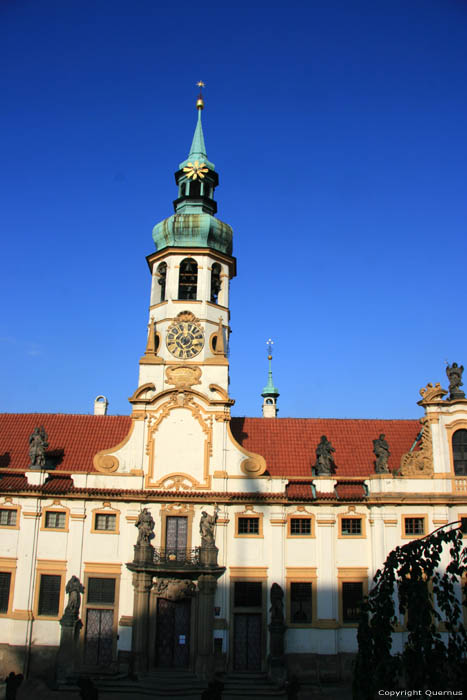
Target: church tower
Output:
[
  {"x": 191, "y": 270},
  {"x": 270, "y": 393}
]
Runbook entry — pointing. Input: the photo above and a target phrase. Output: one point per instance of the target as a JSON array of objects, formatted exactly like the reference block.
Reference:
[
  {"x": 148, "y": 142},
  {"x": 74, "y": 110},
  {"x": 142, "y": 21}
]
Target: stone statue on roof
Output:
[
  {"x": 454, "y": 373},
  {"x": 38, "y": 443},
  {"x": 381, "y": 451},
  {"x": 206, "y": 528},
  {"x": 145, "y": 524},
  {"x": 324, "y": 460}
]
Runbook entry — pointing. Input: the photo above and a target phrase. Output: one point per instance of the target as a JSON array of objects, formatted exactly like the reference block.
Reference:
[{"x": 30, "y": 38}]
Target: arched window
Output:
[
  {"x": 162, "y": 272},
  {"x": 459, "y": 452},
  {"x": 188, "y": 279},
  {"x": 215, "y": 282}
]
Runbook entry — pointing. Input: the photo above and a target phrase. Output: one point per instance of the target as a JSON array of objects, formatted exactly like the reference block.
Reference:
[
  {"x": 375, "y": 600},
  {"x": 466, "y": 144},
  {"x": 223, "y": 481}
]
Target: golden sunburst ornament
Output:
[{"x": 196, "y": 169}]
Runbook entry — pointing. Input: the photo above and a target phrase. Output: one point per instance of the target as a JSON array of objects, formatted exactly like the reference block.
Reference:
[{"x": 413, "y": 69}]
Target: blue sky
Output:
[{"x": 338, "y": 129}]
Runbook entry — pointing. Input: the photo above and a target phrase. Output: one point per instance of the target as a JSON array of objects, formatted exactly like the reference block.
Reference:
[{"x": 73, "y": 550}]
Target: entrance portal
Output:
[
  {"x": 173, "y": 633},
  {"x": 247, "y": 641}
]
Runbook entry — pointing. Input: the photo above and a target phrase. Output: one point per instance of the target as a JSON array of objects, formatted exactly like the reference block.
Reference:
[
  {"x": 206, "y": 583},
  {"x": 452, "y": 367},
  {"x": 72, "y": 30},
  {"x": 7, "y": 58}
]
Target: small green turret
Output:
[
  {"x": 194, "y": 223},
  {"x": 270, "y": 393}
]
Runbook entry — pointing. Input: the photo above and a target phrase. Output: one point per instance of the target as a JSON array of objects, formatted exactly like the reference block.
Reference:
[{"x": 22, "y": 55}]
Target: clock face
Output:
[{"x": 185, "y": 339}]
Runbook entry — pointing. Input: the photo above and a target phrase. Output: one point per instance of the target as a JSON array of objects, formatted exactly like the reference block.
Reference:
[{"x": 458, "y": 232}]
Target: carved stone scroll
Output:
[
  {"x": 432, "y": 393},
  {"x": 419, "y": 462}
]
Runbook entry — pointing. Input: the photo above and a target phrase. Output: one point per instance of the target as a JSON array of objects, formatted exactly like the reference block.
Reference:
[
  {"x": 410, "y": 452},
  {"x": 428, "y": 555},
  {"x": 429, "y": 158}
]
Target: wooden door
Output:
[
  {"x": 173, "y": 633},
  {"x": 247, "y": 641}
]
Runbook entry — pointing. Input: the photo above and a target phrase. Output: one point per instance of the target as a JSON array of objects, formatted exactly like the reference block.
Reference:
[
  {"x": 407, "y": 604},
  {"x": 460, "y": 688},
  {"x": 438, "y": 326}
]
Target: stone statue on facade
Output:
[
  {"x": 38, "y": 443},
  {"x": 206, "y": 528},
  {"x": 324, "y": 460},
  {"x": 381, "y": 451},
  {"x": 145, "y": 525},
  {"x": 454, "y": 373},
  {"x": 74, "y": 589},
  {"x": 277, "y": 603}
]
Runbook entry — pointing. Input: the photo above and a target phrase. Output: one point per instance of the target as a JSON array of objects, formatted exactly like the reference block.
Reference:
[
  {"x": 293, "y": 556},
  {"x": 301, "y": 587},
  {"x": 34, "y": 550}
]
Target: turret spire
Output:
[
  {"x": 270, "y": 393},
  {"x": 197, "y": 155}
]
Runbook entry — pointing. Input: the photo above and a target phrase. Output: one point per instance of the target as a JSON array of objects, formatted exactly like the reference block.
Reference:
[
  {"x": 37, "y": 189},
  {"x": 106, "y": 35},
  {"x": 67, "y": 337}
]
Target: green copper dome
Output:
[
  {"x": 194, "y": 225},
  {"x": 193, "y": 230}
]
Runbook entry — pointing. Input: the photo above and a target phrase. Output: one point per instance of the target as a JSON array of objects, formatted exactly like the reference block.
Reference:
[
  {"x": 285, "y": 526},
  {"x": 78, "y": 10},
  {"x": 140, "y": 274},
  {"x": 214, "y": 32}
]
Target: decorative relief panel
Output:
[{"x": 419, "y": 462}]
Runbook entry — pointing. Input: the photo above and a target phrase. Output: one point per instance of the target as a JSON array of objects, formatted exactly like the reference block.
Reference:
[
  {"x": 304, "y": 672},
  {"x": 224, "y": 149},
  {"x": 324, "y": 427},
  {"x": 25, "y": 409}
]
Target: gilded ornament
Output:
[
  {"x": 195, "y": 170},
  {"x": 432, "y": 393}
]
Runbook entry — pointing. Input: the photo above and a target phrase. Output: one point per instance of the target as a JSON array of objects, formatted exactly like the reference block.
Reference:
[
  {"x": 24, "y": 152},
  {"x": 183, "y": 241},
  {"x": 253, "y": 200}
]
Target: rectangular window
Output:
[
  {"x": 352, "y": 594},
  {"x": 351, "y": 526},
  {"x": 301, "y": 602},
  {"x": 248, "y": 526},
  {"x": 464, "y": 526},
  {"x": 5, "y": 582},
  {"x": 414, "y": 526},
  {"x": 105, "y": 521},
  {"x": 49, "y": 595},
  {"x": 8, "y": 517},
  {"x": 300, "y": 526},
  {"x": 55, "y": 520},
  {"x": 101, "y": 591},
  {"x": 247, "y": 594}
]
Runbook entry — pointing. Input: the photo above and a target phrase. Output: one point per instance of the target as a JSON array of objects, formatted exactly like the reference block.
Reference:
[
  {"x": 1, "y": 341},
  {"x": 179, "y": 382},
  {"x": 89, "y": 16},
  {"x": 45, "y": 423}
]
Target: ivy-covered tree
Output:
[{"x": 427, "y": 587}]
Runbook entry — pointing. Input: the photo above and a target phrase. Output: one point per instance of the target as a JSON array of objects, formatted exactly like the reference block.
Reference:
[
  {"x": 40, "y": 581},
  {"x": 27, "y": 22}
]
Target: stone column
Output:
[
  {"x": 142, "y": 583},
  {"x": 204, "y": 663}
]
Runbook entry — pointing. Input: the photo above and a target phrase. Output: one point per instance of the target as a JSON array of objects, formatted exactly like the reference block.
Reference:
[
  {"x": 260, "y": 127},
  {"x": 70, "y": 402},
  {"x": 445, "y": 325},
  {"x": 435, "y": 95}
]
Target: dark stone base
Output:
[
  {"x": 42, "y": 661},
  {"x": 457, "y": 396},
  {"x": 321, "y": 668}
]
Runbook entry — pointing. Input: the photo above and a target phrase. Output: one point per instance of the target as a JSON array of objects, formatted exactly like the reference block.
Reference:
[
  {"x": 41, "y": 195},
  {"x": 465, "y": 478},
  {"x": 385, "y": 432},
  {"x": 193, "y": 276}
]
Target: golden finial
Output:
[
  {"x": 269, "y": 343},
  {"x": 200, "y": 101}
]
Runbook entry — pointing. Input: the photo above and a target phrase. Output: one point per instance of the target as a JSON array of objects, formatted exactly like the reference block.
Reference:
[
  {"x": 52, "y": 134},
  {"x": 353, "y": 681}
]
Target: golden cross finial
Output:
[{"x": 200, "y": 84}]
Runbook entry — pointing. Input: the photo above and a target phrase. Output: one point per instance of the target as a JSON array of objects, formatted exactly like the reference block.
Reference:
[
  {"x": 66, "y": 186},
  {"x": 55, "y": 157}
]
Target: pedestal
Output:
[
  {"x": 276, "y": 661},
  {"x": 208, "y": 556},
  {"x": 142, "y": 583},
  {"x": 207, "y": 585},
  {"x": 68, "y": 652}
]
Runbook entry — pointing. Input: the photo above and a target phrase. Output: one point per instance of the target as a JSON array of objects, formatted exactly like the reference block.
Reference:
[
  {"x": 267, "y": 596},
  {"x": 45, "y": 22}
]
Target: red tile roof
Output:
[
  {"x": 289, "y": 444},
  {"x": 73, "y": 439}
]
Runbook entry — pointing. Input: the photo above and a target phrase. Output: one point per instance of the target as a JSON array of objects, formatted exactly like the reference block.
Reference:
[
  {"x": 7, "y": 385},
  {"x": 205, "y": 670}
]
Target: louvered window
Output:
[
  {"x": 55, "y": 520},
  {"x": 49, "y": 595},
  {"x": 101, "y": 591},
  {"x": 8, "y": 517},
  {"x": 352, "y": 594},
  {"x": 105, "y": 521},
  {"x": 247, "y": 594},
  {"x": 5, "y": 582},
  {"x": 301, "y": 602}
]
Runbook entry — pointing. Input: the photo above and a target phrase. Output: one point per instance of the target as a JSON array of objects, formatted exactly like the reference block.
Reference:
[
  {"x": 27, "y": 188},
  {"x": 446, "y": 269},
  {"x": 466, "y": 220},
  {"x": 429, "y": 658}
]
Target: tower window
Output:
[
  {"x": 188, "y": 279},
  {"x": 195, "y": 188},
  {"x": 162, "y": 272},
  {"x": 215, "y": 282},
  {"x": 459, "y": 452}
]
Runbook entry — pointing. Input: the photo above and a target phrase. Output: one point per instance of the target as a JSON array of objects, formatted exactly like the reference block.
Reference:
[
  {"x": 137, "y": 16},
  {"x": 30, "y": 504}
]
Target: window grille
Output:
[
  {"x": 352, "y": 594},
  {"x": 188, "y": 279},
  {"x": 8, "y": 517},
  {"x": 459, "y": 452},
  {"x": 351, "y": 526},
  {"x": 414, "y": 526},
  {"x": 301, "y": 602},
  {"x": 101, "y": 591},
  {"x": 105, "y": 521},
  {"x": 248, "y": 526},
  {"x": 247, "y": 594},
  {"x": 300, "y": 526},
  {"x": 54, "y": 520},
  {"x": 49, "y": 594},
  {"x": 5, "y": 581}
]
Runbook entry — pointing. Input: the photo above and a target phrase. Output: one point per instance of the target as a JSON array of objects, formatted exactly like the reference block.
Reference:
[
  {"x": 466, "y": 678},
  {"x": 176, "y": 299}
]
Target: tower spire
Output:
[
  {"x": 270, "y": 393},
  {"x": 197, "y": 153}
]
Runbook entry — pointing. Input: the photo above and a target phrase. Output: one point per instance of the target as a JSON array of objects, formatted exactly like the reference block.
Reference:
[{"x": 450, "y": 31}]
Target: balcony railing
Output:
[{"x": 176, "y": 557}]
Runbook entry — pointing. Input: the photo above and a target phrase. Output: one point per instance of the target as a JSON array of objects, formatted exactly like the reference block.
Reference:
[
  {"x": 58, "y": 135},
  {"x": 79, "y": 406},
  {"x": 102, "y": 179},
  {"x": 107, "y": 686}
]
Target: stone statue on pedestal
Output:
[
  {"x": 454, "y": 373},
  {"x": 145, "y": 525},
  {"x": 277, "y": 603},
  {"x": 381, "y": 451},
  {"x": 206, "y": 528},
  {"x": 38, "y": 442},
  {"x": 324, "y": 460},
  {"x": 74, "y": 589}
]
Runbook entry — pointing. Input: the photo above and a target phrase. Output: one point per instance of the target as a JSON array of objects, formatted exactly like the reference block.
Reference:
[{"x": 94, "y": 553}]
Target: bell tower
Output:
[
  {"x": 270, "y": 393},
  {"x": 191, "y": 270}
]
